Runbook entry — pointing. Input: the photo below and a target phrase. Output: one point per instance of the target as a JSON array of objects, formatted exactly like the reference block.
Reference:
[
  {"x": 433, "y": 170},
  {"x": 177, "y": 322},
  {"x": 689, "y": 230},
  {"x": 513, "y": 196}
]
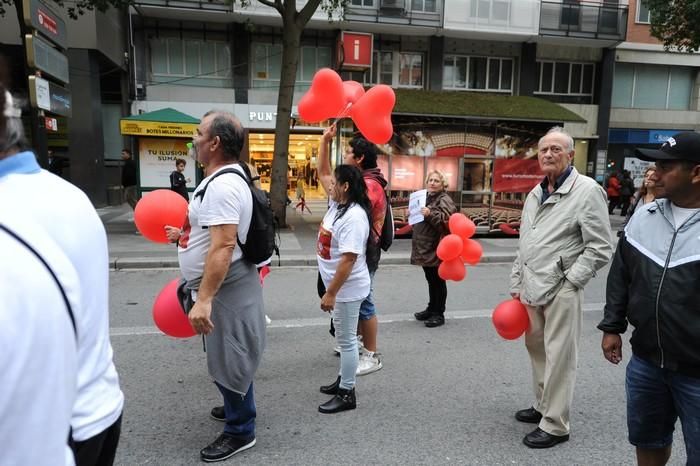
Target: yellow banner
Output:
[{"x": 154, "y": 128}]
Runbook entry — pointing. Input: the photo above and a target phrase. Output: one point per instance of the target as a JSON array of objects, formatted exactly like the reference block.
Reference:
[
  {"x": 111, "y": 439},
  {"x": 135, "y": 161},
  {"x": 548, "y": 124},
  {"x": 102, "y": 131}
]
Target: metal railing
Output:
[{"x": 584, "y": 20}]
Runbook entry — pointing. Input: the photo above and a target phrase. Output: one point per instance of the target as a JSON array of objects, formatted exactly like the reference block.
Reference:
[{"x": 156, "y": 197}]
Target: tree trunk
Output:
[{"x": 291, "y": 39}]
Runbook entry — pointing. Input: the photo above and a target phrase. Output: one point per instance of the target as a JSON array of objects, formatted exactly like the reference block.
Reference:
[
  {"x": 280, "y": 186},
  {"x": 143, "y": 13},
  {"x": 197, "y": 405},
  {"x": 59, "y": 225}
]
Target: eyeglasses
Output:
[{"x": 555, "y": 150}]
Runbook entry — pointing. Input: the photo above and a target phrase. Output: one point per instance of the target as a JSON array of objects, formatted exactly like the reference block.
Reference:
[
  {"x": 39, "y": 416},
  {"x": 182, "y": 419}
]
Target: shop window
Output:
[
  {"x": 563, "y": 78},
  {"x": 363, "y": 3},
  {"x": 477, "y": 73}
]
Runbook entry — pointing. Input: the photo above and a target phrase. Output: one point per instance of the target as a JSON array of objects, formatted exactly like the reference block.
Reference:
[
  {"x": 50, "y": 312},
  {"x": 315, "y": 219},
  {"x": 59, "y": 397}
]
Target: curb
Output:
[{"x": 139, "y": 263}]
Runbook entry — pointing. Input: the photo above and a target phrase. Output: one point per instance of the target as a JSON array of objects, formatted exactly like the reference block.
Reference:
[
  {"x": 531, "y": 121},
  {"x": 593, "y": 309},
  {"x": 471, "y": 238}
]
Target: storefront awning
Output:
[
  {"x": 166, "y": 122},
  {"x": 481, "y": 105}
]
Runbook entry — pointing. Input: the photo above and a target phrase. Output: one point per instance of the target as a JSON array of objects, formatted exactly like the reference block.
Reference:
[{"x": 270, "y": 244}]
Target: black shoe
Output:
[
  {"x": 331, "y": 389},
  {"x": 423, "y": 315},
  {"x": 541, "y": 439},
  {"x": 217, "y": 413},
  {"x": 529, "y": 415},
  {"x": 225, "y": 446},
  {"x": 435, "y": 321},
  {"x": 344, "y": 400}
]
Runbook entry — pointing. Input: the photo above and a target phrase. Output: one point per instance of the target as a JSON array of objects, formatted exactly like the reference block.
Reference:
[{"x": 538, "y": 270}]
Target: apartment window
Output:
[
  {"x": 398, "y": 69},
  {"x": 490, "y": 10},
  {"x": 426, "y": 6},
  {"x": 364, "y": 3},
  {"x": 563, "y": 78},
  {"x": 190, "y": 58},
  {"x": 570, "y": 14},
  {"x": 267, "y": 63},
  {"x": 477, "y": 73},
  {"x": 643, "y": 15},
  {"x": 652, "y": 86}
]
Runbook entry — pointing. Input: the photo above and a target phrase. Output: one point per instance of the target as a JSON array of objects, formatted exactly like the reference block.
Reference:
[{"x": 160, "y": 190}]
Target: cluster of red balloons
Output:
[
  {"x": 457, "y": 248},
  {"x": 157, "y": 209},
  {"x": 331, "y": 97},
  {"x": 510, "y": 319}
]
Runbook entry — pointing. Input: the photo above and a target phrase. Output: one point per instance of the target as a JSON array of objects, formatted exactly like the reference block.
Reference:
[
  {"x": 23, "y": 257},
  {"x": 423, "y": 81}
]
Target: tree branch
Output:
[
  {"x": 307, "y": 12},
  {"x": 276, "y": 4}
]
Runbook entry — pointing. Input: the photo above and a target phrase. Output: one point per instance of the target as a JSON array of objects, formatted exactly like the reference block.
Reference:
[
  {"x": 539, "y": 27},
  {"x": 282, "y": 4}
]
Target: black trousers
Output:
[
  {"x": 437, "y": 290},
  {"x": 99, "y": 450}
]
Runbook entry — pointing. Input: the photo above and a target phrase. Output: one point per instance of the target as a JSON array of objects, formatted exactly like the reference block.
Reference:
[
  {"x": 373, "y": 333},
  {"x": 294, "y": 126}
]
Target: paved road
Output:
[{"x": 445, "y": 395}]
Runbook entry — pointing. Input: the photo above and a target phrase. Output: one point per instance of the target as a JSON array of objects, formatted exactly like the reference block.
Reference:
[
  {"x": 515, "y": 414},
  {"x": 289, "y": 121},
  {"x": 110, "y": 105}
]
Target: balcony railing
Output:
[
  {"x": 584, "y": 20},
  {"x": 401, "y": 12}
]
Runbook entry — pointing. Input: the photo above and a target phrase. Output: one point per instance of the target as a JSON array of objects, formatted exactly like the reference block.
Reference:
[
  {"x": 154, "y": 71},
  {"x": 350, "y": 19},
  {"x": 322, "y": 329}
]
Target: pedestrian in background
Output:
[
  {"x": 178, "y": 182},
  {"x": 341, "y": 249},
  {"x": 647, "y": 193},
  {"x": 129, "y": 178},
  {"x": 426, "y": 236},
  {"x": 613, "y": 191},
  {"x": 654, "y": 284},
  {"x": 565, "y": 239},
  {"x": 626, "y": 192},
  {"x": 221, "y": 290}
]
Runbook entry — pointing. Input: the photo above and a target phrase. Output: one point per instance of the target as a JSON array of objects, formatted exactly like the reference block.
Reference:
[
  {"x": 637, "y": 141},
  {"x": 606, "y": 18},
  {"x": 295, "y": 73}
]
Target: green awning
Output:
[
  {"x": 476, "y": 104},
  {"x": 164, "y": 115}
]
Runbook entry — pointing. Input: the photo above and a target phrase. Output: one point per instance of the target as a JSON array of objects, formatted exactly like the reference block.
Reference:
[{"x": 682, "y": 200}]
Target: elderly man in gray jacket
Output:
[{"x": 565, "y": 238}]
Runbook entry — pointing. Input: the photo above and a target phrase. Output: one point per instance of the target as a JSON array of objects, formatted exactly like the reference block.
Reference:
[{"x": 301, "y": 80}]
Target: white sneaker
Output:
[
  {"x": 360, "y": 346},
  {"x": 368, "y": 363}
]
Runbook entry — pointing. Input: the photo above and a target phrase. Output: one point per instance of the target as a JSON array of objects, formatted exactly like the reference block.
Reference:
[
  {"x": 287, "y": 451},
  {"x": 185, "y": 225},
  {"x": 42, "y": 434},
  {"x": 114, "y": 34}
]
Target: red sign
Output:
[
  {"x": 407, "y": 173},
  {"x": 51, "y": 123},
  {"x": 47, "y": 22},
  {"x": 516, "y": 175},
  {"x": 355, "y": 50}
]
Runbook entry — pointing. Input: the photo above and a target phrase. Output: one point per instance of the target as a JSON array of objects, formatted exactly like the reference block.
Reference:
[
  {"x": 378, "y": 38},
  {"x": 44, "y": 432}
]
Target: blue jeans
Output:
[
  {"x": 656, "y": 397},
  {"x": 240, "y": 412},
  {"x": 345, "y": 317},
  {"x": 367, "y": 309}
]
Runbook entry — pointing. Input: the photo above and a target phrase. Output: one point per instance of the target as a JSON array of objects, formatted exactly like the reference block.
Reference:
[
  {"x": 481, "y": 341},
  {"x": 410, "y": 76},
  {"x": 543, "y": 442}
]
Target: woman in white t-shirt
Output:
[{"x": 342, "y": 242}]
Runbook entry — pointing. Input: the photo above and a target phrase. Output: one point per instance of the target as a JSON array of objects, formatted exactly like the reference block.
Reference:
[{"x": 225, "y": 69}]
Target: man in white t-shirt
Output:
[
  {"x": 654, "y": 284},
  {"x": 221, "y": 289},
  {"x": 38, "y": 354},
  {"x": 72, "y": 222}
]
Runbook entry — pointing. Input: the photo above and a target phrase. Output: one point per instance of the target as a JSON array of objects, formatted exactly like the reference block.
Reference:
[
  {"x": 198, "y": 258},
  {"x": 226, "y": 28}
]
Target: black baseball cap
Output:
[{"x": 682, "y": 146}]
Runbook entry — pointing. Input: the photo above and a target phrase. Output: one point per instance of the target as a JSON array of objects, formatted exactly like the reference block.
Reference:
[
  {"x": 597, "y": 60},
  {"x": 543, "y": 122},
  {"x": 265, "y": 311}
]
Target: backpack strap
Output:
[
  {"x": 36, "y": 254},
  {"x": 200, "y": 194}
]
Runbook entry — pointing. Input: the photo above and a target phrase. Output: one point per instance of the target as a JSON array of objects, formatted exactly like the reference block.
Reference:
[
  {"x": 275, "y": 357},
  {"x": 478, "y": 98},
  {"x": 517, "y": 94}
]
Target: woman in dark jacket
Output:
[{"x": 426, "y": 236}]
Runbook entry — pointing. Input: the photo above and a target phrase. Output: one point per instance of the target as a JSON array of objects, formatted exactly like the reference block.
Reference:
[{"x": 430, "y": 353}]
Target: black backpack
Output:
[
  {"x": 387, "y": 234},
  {"x": 263, "y": 235}
]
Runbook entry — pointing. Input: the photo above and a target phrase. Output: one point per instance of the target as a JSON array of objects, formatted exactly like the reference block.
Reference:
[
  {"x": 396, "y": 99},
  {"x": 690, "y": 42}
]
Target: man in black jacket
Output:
[
  {"x": 129, "y": 178},
  {"x": 654, "y": 284}
]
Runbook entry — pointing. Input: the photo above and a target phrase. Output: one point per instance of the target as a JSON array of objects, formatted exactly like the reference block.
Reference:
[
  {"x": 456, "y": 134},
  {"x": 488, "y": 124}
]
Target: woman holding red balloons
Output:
[
  {"x": 426, "y": 237},
  {"x": 342, "y": 243}
]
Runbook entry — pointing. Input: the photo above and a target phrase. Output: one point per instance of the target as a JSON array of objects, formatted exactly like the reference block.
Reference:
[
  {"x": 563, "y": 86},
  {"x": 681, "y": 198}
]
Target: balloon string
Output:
[{"x": 343, "y": 114}]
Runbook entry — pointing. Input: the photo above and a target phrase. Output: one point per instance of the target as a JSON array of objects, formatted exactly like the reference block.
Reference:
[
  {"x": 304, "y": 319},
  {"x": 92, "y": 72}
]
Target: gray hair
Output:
[
  {"x": 12, "y": 134},
  {"x": 560, "y": 130},
  {"x": 230, "y": 132}
]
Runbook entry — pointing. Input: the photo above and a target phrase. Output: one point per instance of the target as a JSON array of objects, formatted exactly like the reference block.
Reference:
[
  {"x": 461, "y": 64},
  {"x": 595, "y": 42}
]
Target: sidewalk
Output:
[{"x": 129, "y": 250}]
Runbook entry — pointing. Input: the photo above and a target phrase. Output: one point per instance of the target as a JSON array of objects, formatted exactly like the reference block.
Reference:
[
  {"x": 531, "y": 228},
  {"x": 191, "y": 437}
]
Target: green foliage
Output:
[{"x": 676, "y": 23}]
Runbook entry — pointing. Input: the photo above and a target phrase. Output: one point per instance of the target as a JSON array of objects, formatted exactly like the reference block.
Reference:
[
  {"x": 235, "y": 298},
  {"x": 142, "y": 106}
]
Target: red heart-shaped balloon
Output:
[
  {"x": 353, "y": 91},
  {"x": 372, "y": 113},
  {"x": 325, "y": 99}
]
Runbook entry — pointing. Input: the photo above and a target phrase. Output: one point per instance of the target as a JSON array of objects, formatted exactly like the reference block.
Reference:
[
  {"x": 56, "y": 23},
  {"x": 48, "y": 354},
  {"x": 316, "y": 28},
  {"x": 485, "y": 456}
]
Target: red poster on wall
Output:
[
  {"x": 516, "y": 175},
  {"x": 448, "y": 167},
  {"x": 406, "y": 173}
]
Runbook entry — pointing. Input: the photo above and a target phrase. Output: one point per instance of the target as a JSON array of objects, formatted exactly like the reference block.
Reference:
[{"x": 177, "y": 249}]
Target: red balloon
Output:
[
  {"x": 461, "y": 225},
  {"x": 353, "y": 91},
  {"x": 372, "y": 113},
  {"x": 157, "y": 209},
  {"x": 472, "y": 251},
  {"x": 168, "y": 314},
  {"x": 325, "y": 99},
  {"x": 452, "y": 270},
  {"x": 510, "y": 319},
  {"x": 449, "y": 247}
]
